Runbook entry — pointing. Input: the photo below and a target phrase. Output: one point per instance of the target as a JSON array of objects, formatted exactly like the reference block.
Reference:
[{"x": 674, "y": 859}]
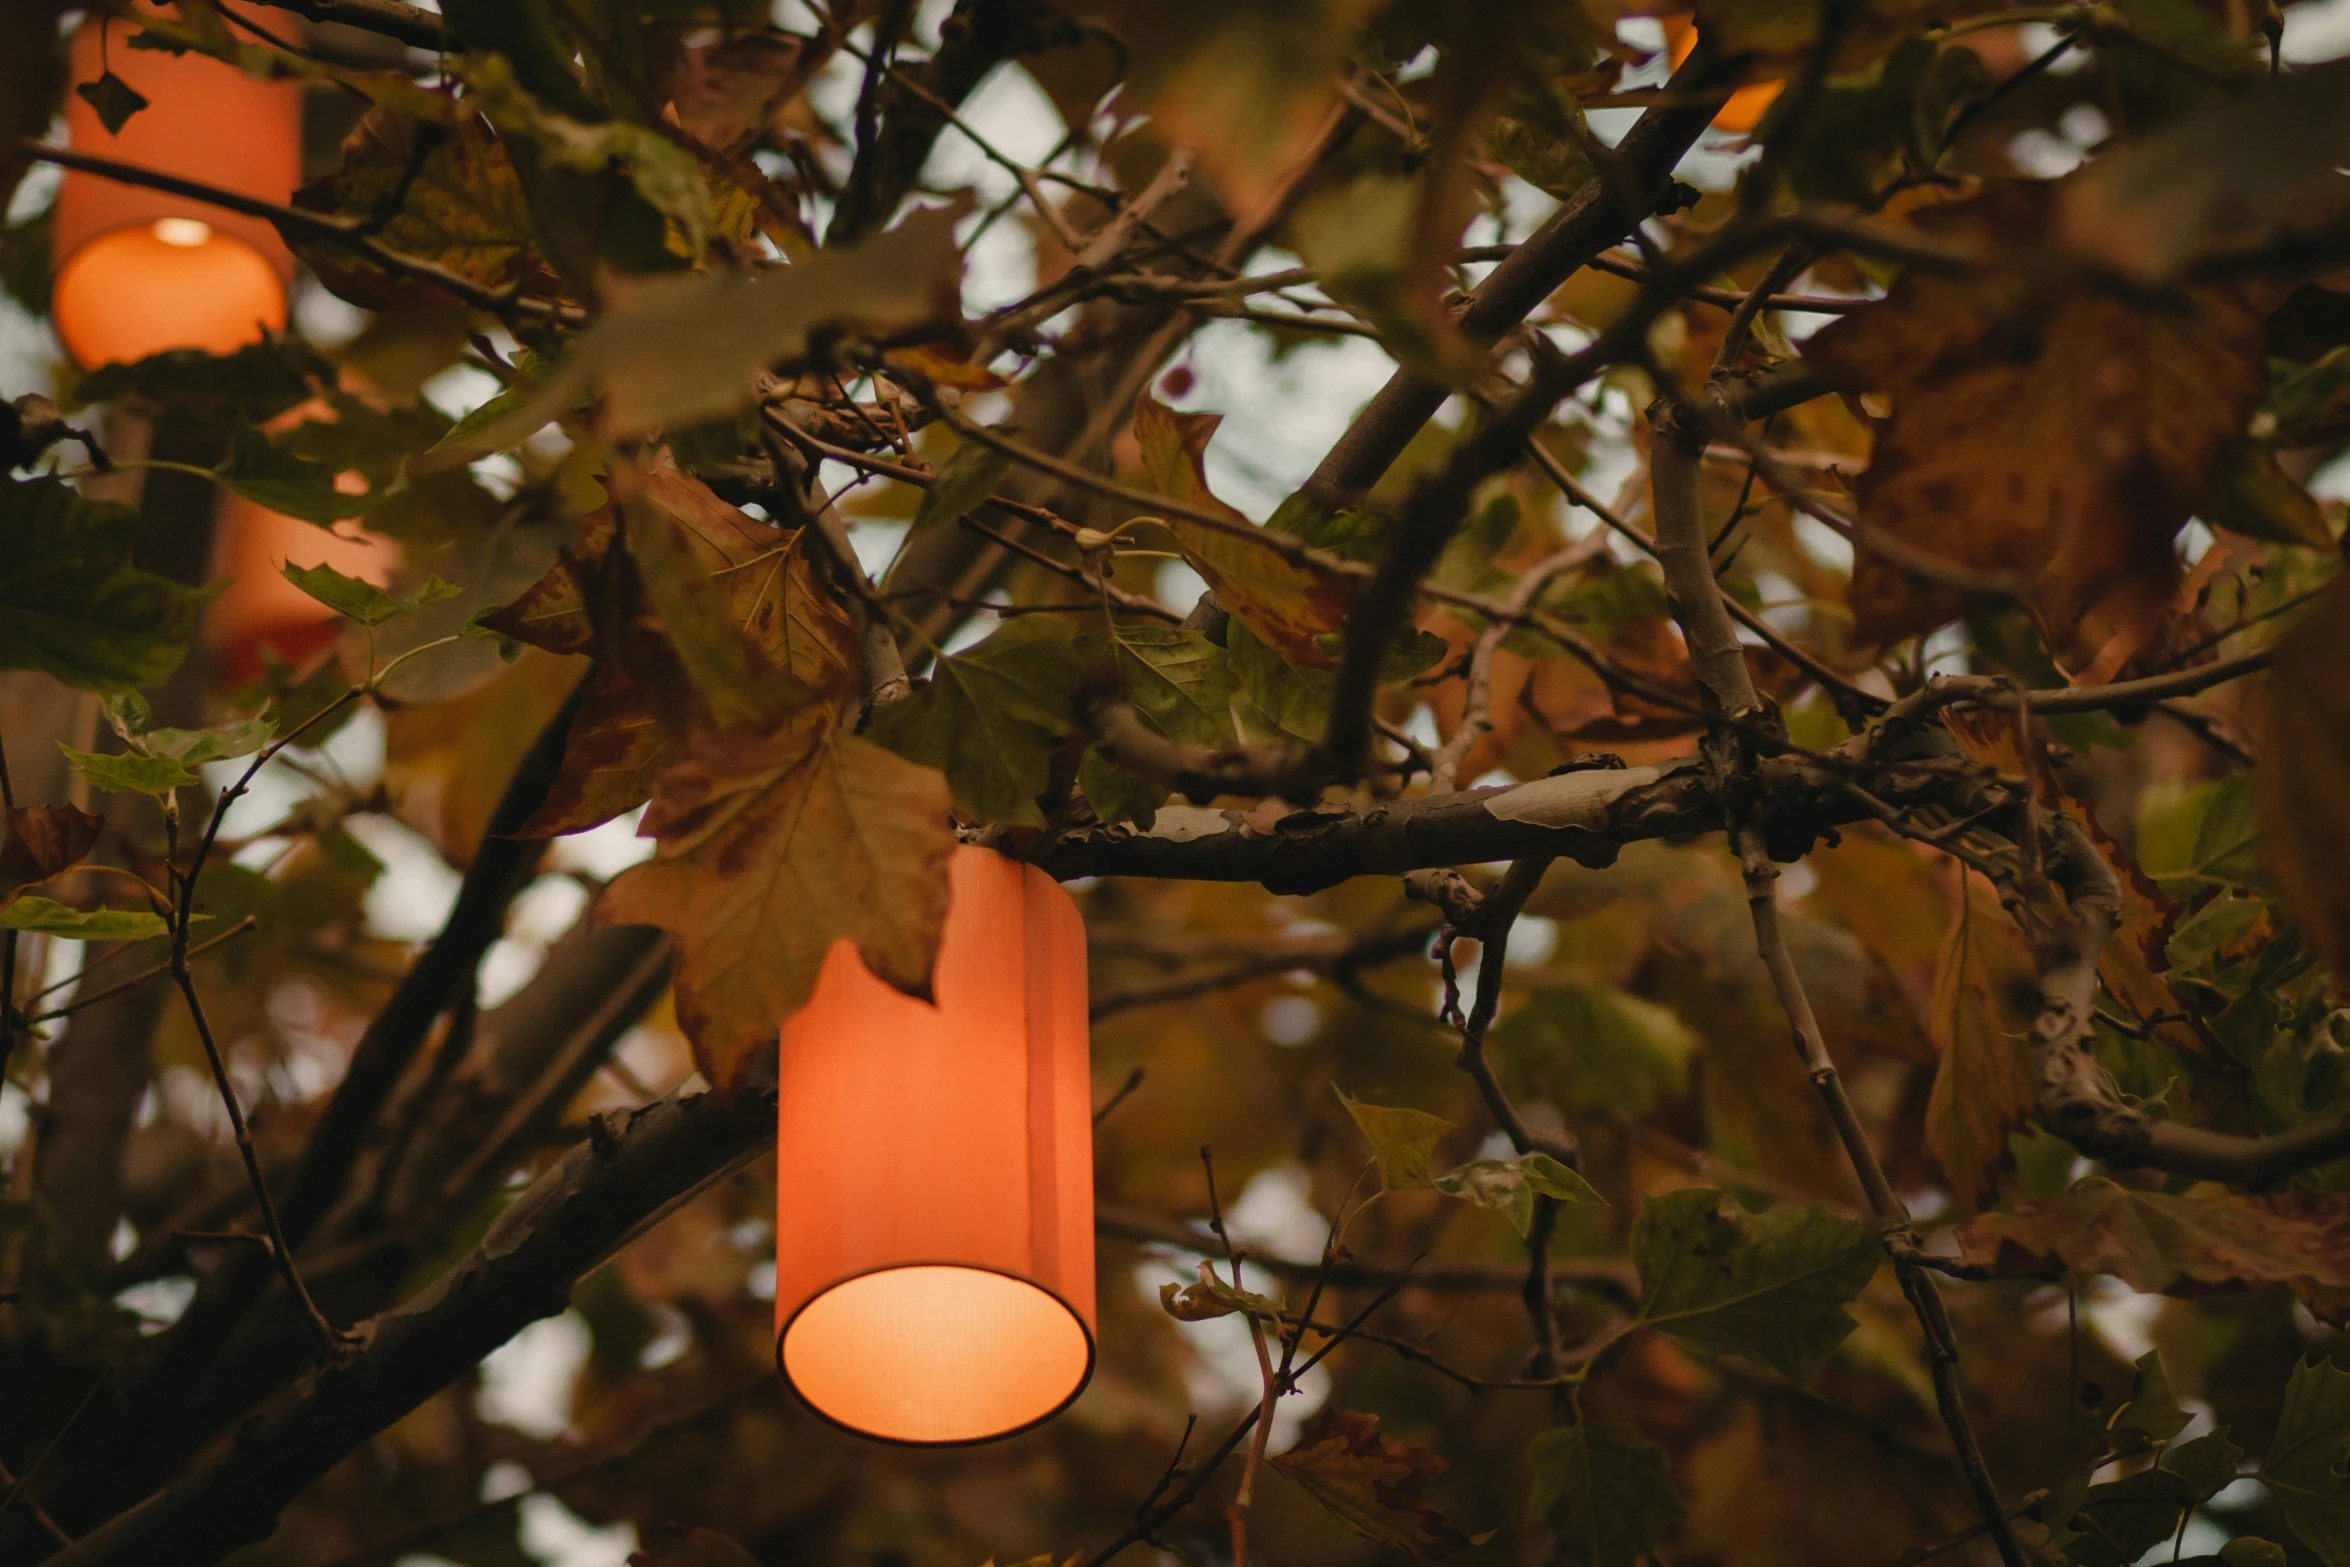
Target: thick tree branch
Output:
[{"x": 570, "y": 1219}]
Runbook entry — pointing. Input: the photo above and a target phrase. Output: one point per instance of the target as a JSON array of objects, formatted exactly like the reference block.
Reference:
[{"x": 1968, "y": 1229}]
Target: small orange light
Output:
[
  {"x": 934, "y": 1176},
  {"x": 1745, "y": 108},
  {"x": 140, "y": 271}
]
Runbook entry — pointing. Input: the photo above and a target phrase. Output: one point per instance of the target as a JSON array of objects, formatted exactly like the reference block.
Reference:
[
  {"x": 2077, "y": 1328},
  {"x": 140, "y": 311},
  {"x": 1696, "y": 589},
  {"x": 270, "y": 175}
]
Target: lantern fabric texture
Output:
[
  {"x": 140, "y": 271},
  {"x": 934, "y": 1167},
  {"x": 258, "y": 609}
]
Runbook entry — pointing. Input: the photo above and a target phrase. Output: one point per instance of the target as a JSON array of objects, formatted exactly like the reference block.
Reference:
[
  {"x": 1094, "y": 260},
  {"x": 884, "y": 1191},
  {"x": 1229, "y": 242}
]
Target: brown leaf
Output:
[
  {"x": 1985, "y": 1086},
  {"x": 553, "y": 612},
  {"x": 2161, "y": 1244},
  {"x": 44, "y": 841},
  {"x": 2062, "y": 434},
  {"x": 613, "y": 754},
  {"x": 2305, "y": 793},
  {"x": 757, "y": 634},
  {"x": 1370, "y": 1484},
  {"x": 726, "y": 92},
  {"x": 771, "y": 849},
  {"x": 463, "y": 210},
  {"x": 2134, "y": 962},
  {"x": 1288, "y": 606}
]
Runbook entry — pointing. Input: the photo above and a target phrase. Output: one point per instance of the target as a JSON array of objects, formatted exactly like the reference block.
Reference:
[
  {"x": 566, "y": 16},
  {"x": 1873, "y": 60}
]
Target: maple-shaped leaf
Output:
[
  {"x": 1373, "y": 1486},
  {"x": 2061, "y": 435},
  {"x": 2152, "y": 1414},
  {"x": 1988, "y": 1079},
  {"x": 1116, "y": 795},
  {"x": 44, "y": 841},
  {"x": 361, "y": 601},
  {"x": 1289, "y": 606},
  {"x": 1606, "y": 1485},
  {"x": 71, "y": 603},
  {"x": 739, "y": 602},
  {"x": 2161, "y": 1244},
  {"x": 2119, "y": 1521},
  {"x": 1403, "y": 1140},
  {"x": 682, "y": 348},
  {"x": 772, "y": 848},
  {"x": 1770, "y": 1286},
  {"x": 2308, "y": 1464},
  {"x": 991, "y": 718},
  {"x": 613, "y": 754},
  {"x": 2305, "y": 774},
  {"x": 444, "y": 194},
  {"x": 277, "y": 478},
  {"x": 554, "y": 612},
  {"x": 1178, "y": 680}
]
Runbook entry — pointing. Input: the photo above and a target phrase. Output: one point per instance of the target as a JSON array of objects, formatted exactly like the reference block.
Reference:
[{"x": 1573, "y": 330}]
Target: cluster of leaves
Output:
[{"x": 2072, "y": 427}]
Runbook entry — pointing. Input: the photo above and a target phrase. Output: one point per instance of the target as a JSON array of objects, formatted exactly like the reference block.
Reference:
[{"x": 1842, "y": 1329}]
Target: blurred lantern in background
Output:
[
  {"x": 140, "y": 271},
  {"x": 259, "y": 609},
  {"x": 934, "y": 1165},
  {"x": 1746, "y": 107}
]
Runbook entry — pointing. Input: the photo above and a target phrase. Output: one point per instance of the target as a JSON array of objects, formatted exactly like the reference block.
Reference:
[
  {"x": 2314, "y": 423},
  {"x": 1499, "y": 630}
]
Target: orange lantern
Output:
[
  {"x": 1745, "y": 108},
  {"x": 934, "y": 1180},
  {"x": 259, "y": 608},
  {"x": 140, "y": 271}
]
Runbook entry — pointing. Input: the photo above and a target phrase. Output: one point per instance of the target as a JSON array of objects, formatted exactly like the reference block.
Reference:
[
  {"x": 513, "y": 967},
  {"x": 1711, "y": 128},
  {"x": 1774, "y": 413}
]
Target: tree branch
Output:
[{"x": 569, "y": 1220}]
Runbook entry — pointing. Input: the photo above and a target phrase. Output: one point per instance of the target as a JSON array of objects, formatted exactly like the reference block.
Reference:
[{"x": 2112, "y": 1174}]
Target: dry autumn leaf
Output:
[
  {"x": 2054, "y": 430},
  {"x": 1372, "y": 1485},
  {"x": 773, "y": 847},
  {"x": 1988, "y": 1078},
  {"x": 1289, "y": 606}
]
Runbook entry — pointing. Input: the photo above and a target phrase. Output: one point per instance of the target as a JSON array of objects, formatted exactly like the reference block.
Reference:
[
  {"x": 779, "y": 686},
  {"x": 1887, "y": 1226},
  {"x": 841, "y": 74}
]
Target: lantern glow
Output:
[
  {"x": 934, "y": 1181},
  {"x": 140, "y": 271},
  {"x": 1744, "y": 109},
  {"x": 258, "y": 608}
]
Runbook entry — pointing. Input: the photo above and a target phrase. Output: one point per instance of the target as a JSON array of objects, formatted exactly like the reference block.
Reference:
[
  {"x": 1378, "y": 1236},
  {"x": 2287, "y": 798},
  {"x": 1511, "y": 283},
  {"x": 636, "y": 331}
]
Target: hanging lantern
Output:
[
  {"x": 140, "y": 271},
  {"x": 1744, "y": 109},
  {"x": 934, "y": 1197},
  {"x": 259, "y": 609}
]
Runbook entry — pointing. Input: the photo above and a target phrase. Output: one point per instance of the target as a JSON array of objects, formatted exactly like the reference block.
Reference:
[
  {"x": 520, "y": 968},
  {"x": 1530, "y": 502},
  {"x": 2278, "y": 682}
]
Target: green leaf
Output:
[
  {"x": 1403, "y": 1141},
  {"x": 129, "y": 772},
  {"x": 114, "y": 99},
  {"x": 2121, "y": 1520},
  {"x": 531, "y": 372},
  {"x": 1599, "y": 1047},
  {"x": 1294, "y": 700},
  {"x": 1115, "y": 794},
  {"x": 2249, "y": 1550},
  {"x": 195, "y": 747},
  {"x": 1608, "y": 1485},
  {"x": 1769, "y": 1286},
  {"x": 2308, "y": 1464},
  {"x": 71, "y": 603},
  {"x": 991, "y": 718},
  {"x": 215, "y": 394},
  {"x": 2251, "y": 495},
  {"x": 2304, "y": 796},
  {"x": 2151, "y": 1415},
  {"x": 364, "y": 602},
  {"x": 271, "y": 475},
  {"x": 1511, "y": 1185},
  {"x": 1178, "y": 680},
  {"x": 41, "y": 917},
  {"x": 967, "y": 478}
]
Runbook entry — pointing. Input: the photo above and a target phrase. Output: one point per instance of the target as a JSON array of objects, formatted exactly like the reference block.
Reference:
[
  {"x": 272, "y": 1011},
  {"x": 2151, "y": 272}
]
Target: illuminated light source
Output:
[
  {"x": 259, "y": 609},
  {"x": 934, "y": 1181},
  {"x": 140, "y": 271},
  {"x": 1744, "y": 109}
]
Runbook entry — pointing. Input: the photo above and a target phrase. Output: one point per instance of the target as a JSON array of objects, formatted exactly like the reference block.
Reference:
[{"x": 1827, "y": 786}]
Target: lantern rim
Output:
[{"x": 1084, "y": 1377}]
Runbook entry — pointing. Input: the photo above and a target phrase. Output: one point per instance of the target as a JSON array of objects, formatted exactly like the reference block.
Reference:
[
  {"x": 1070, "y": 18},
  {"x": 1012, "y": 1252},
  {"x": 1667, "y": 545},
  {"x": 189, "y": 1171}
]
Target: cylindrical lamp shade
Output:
[
  {"x": 140, "y": 271},
  {"x": 934, "y": 1196},
  {"x": 258, "y": 608}
]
